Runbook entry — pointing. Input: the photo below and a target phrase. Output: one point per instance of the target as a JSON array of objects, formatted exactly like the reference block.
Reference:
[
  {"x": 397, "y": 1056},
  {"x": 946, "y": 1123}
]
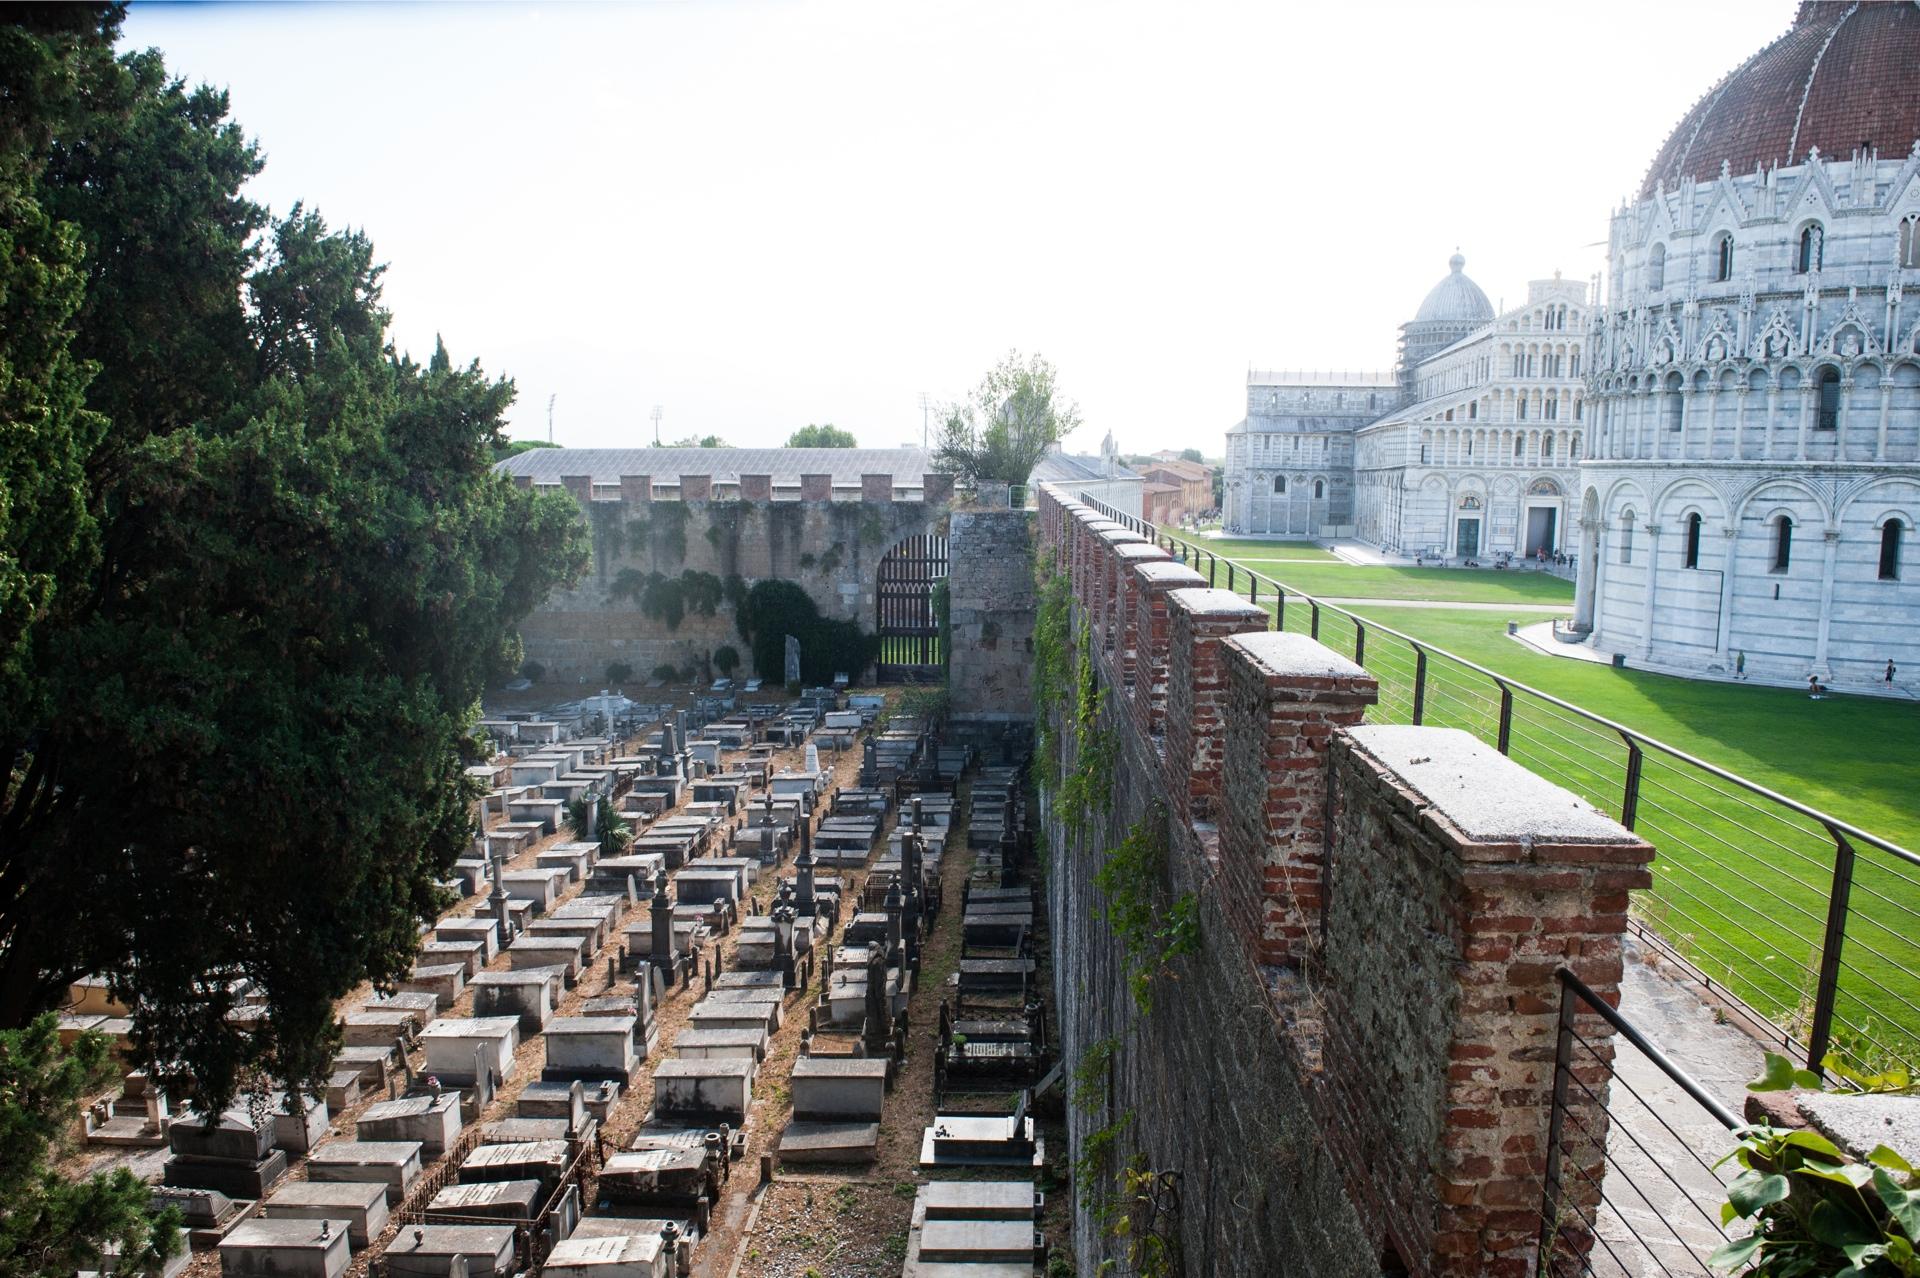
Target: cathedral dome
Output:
[
  {"x": 1455, "y": 300},
  {"x": 1841, "y": 76}
]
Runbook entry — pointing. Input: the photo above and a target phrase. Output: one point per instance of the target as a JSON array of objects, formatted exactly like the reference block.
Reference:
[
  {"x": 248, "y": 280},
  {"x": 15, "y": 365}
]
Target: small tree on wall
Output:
[
  {"x": 826, "y": 435},
  {"x": 725, "y": 659},
  {"x": 1003, "y": 429}
]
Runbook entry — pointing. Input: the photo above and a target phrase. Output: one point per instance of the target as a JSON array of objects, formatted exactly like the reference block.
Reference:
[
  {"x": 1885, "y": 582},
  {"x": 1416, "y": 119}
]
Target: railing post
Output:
[
  {"x": 1556, "y": 1127},
  {"x": 1314, "y": 629},
  {"x": 1630, "y": 800},
  {"x": 1230, "y": 585},
  {"x": 1506, "y": 717},
  {"x": 1359, "y": 643},
  {"x": 1821, "y": 1033},
  {"x": 1419, "y": 685},
  {"x": 1213, "y": 569},
  {"x": 1253, "y": 586},
  {"x": 1279, "y": 608}
]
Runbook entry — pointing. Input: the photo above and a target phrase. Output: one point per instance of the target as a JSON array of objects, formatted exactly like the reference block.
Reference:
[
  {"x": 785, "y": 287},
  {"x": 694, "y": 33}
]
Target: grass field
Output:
[
  {"x": 1247, "y": 548},
  {"x": 1741, "y": 883}
]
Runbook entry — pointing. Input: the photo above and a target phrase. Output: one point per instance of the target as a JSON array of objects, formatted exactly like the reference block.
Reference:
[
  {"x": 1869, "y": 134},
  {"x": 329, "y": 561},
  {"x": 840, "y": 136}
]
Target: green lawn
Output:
[
  {"x": 1467, "y": 585},
  {"x": 1741, "y": 884},
  {"x": 1248, "y": 547}
]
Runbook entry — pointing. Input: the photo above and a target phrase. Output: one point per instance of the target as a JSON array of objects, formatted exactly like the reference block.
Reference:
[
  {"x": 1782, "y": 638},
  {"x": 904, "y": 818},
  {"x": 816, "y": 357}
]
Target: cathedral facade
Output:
[{"x": 1751, "y": 495}]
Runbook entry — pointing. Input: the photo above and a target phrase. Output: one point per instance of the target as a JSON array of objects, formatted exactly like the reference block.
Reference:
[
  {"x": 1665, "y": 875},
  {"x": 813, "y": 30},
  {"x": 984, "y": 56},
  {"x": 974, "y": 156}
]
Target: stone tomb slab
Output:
[
  {"x": 533, "y": 951},
  {"x": 287, "y": 1248},
  {"x": 702, "y": 1090},
  {"x": 716, "y": 1044},
  {"x": 392, "y": 1163},
  {"x": 429, "y": 1251},
  {"x": 590, "y": 1048},
  {"x": 468, "y": 930},
  {"x": 710, "y": 1015},
  {"x": 441, "y": 981},
  {"x": 518, "y": 1131},
  {"x": 980, "y": 1200},
  {"x": 965, "y": 1140},
  {"x": 828, "y": 1142},
  {"x": 457, "y": 1046},
  {"x": 637, "y": 1255},
  {"x": 299, "y": 1121},
  {"x": 590, "y": 932},
  {"x": 544, "y": 1161},
  {"x": 572, "y": 862},
  {"x": 545, "y": 1099},
  {"x": 839, "y": 1088},
  {"x": 469, "y": 954},
  {"x": 542, "y": 887},
  {"x": 376, "y": 1027},
  {"x": 526, "y": 995},
  {"x": 738, "y": 980},
  {"x": 433, "y": 1121},
  {"x": 1003, "y": 1242},
  {"x": 362, "y": 1204},
  {"x": 505, "y": 1200}
]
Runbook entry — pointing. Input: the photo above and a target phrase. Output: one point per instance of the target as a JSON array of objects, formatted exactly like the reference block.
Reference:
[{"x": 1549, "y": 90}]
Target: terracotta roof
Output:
[
  {"x": 1843, "y": 74},
  {"x": 1183, "y": 468}
]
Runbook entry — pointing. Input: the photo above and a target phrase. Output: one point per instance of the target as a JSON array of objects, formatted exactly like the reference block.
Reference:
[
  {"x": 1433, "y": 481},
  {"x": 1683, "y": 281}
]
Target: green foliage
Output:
[
  {"x": 695, "y": 441},
  {"x": 1007, "y": 424},
  {"x": 254, "y": 575},
  {"x": 943, "y": 616},
  {"x": 824, "y": 436},
  {"x": 1086, "y": 792},
  {"x": 533, "y": 671},
  {"x": 619, "y": 672},
  {"x": 1144, "y": 1219},
  {"x": 1052, "y": 665},
  {"x": 612, "y": 831},
  {"x": 52, "y": 1223},
  {"x": 930, "y": 705},
  {"x": 1130, "y": 879},
  {"x": 669, "y": 599},
  {"x": 514, "y": 447},
  {"x": 726, "y": 659},
  {"x": 1811, "y": 1210},
  {"x": 1193, "y": 455},
  {"x": 1781, "y": 1075},
  {"x": 775, "y": 609}
]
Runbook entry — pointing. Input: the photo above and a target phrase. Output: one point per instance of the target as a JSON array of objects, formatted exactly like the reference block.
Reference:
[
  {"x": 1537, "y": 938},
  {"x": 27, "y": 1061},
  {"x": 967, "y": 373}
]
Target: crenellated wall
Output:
[{"x": 1347, "y": 1062}]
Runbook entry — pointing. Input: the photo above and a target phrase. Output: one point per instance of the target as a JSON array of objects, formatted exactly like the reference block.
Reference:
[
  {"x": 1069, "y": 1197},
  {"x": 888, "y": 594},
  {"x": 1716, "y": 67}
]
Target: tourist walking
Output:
[
  {"x": 1889, "y": 672},
  {"x": 1740, "y": 664}
]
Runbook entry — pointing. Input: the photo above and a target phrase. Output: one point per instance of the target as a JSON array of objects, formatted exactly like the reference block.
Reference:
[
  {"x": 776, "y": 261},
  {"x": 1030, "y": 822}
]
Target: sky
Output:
[{"x": 757, "y": 215}]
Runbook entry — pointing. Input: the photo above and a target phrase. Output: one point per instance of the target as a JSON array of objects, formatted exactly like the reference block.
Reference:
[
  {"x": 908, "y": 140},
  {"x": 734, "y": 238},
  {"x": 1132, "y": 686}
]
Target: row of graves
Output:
[
  {"x": 441, "y": 1175},
  {"x": 991, "y": 1055}
]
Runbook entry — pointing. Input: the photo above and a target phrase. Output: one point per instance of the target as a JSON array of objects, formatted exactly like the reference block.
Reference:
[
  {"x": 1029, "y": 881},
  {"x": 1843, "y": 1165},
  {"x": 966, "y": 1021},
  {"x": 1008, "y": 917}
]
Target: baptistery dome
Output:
[
  {"x": 1455, "y": 299},
  {"x": 1844, "y": 76}
]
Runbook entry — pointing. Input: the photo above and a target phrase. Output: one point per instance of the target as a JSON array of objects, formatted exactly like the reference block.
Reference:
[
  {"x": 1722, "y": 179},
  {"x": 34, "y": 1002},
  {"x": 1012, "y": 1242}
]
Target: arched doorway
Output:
[{"x": 906, "y": 622}]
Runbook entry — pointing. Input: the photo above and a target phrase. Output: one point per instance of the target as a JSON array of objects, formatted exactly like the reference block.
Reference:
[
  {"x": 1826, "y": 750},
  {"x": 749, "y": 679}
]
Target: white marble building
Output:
[
  {"x": 1754, "y": 480},
  {"x": 1290, "y": 461}
]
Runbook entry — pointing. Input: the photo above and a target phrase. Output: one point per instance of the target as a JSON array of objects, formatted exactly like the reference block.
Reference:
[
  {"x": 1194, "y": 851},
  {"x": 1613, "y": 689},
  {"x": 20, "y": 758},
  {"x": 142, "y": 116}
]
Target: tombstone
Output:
[
  {"x": 876, "y": 1031},
  {"x": 432, "y": 1121},
  {"x": 466, "y": 1049},
  {"x": 702, "y": 1092},
  {"x": 804, "y": 897},
  {"x": 663, "y": 957},
  {"x": 590, "y": 1047},
  {"x": 812, "y": 757},
  {"x": 291, "y": 1248},
  {"x": 839, "y": 1088},
  {"x": 362, "y": 1204},
  {"x": 299, "y": 1121},
  {"x": 394, "y": 1164},
  {"x": 229, "y": 1154},
  {"x": 631, "y": 1255},
  {"x": 895, "y": 908},
  {"x": 438, "y": 1251},
  {"x": 504, "y": 1200},
  {"x": 792, "y": 670}
]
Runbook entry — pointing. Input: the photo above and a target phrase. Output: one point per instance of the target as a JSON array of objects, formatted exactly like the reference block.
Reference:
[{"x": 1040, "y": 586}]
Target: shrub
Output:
[
  {"x": 666, "y": 671},
  {"x": 775, "y": 609},
  {"x": 725, "y": 659},
  {"x": 619, "y": 672},
  {"x": 532, "y": 671}
]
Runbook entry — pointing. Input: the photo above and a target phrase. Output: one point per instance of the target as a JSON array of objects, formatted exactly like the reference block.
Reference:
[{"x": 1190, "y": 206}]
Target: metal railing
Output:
[
  {"x": 1803, "y": 925},
  {"x": 1632, "y": 1186}
]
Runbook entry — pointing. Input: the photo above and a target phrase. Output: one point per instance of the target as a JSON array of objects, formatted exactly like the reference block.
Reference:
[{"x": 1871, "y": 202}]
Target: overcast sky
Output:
[{"x": 759, "y": 215}]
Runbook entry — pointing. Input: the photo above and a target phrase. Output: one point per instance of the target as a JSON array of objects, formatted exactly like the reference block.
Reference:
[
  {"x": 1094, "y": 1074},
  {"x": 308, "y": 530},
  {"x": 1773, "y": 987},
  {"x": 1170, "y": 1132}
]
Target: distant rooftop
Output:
[
  {"x": 725, "y": 465},
  {"x": 1320, "y": 377}
]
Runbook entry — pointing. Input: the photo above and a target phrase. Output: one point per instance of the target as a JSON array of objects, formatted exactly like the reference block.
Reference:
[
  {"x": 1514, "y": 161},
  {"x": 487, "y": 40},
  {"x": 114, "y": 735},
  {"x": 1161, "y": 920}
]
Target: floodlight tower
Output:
[
  {"x": 925, "y": 404},
  {"x": 656, "y": 425},
  {"x": 550, "y": 400}
]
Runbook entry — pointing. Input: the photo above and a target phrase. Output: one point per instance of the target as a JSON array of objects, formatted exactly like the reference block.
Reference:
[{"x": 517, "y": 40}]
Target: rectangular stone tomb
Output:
[
  {"x": 555, "y": 1099},
  {"x": 533, "y": 951},
  {"x": 702, "y": 1090},
  {"x": 568, "y": 861},
  {"x": 468, "y": 930},
  {"x": 299, "y": 1121},
  {"x": 612, "y": 873},
  {"x": 996, "y": 929},
  {"x": 508, "y": 1200},
  {"x": 828, "y": 1088},
  {"x": 429, "y": 1251},
  {"x": 392, "y": 1163},
  {"x": 747, "y": 840},
  {"x": 370, "y": 1063},
  {"x": 980, "y": 1200},
  {"x": 455, "y": 1045},
  {"x": 469, "y": 874},
  {"x": 544, "y": 1161},
  {"x": 343, "y": 1088},
  {"x": 231, "y": 1135},
  {"x": 807, "y": 1141},
  {"x": 1005, "y": 1242},
  {"x": 528, "y": 996},
  {"x": 663, "y": 1176},
  {"x": 995, "y": 974},
  {"x": 510, "y": 839},
  {"x": 470, "y": 955},
  {"x": 286, "y": 1249},
  {"x": 639, "y": 936},
  {"x": 708, "y": 1014},
  {"x": 236, "y": 1178},
  {"x": 378, "y": 1027},
  {"x": 748, "y": 867},
  {"x": 797, "y": 781},
  {"x": 589, "y": 930},
  {"x": 567, "y": 789},
  {"x": 362, "y": 1204},
  {"x": 715, "y": 1044},
  {"x": 443, "y": 981},
  {"x": 590, "y": 1048},
  {"x": 433, "y": 1121},
  {"x": 967, "y": 1140},
  {"x": 702, "y": 886},
  {"x": 846, "y": 996},
  {"x": 542, "y": 887},
  {"x": 543, "y": 812},
  {"x": 518, "y": 1131},
  {"x": 535, "y": 771},
  {"x": 616, "y": 1256}
]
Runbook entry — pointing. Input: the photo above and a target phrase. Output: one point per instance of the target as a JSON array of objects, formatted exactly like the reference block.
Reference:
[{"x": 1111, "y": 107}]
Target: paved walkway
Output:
[
  {"x": 1459, "y": 604},
  {"x": 1539, "y": 637}
]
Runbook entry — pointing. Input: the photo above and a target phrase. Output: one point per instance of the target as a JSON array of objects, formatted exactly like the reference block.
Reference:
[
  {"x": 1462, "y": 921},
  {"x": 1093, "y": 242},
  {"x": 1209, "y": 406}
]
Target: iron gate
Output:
[{"x": 909, "y": 629}]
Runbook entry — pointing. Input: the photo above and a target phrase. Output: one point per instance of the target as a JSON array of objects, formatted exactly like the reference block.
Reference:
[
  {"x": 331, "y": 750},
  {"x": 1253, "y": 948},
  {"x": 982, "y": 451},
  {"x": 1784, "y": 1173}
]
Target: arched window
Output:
[
  {"x": 1910, "y": 242},
  {"x": 1828, "y": 418},
  {"x": 1626, "y": 537},
  {"x": 1473, "y": 411},
  {"x": 1808, "y": 256},
  {"x": 1519, "y": 445},
  {"x": 1575, "y": 370},
  {"x": 1676, "y": 410},
  {"x": 1279, "y": 483},
  {"x": 1523, "y": 408},
  {"x": 1723, "y": 256},
  {"x": 1553, "y": 408},
  {"x": 1890, "y": 549},
  {"x": 1657, "y": 267},
  {"x": 1319, "y": 489},
  {"x": 1693, "y": 540},
  {"x": 1546, "y": 446},
  {"x": 1782, "y": 543}
]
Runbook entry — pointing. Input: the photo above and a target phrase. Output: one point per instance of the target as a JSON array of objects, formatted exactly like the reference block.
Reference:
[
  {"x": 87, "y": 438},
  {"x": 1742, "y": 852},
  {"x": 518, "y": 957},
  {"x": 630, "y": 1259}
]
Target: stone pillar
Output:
[
  {"x": 816, "y": 487},
  {"x": 1106, "y": 583},
  {"x": 1152, "y": 582},
  {"x": 1583, "y": 581},
  {"x": 876, "y": 488},
  {"x": 1286, "y": 696},
  {"x": 580, "y": 487},
  {"x": 696, "y": 487},
  {"x": 756, "y": 488},
  {"x": 1652, "y": 588},
  {"x": 635, "y": 488},
  {"x": 1886, "y": 407},
  {"x": 1127, "y": 603},
  {"x": 1829, "y": 556},
  {"x": 937, "y": 489},
  {"x": 1198, "y": 620},
  {"x": 1724, "y": 636},
  {"x": 1457, "y": 885}
]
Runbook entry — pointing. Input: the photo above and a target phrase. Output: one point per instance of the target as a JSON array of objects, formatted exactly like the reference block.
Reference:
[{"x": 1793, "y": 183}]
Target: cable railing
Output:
[
  {"x": 1634, "y": 1180},
  {"x": 1803, "y": 926}
]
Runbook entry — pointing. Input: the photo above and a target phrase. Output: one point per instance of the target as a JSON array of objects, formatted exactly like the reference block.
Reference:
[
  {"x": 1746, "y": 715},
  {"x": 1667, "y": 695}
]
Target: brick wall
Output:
[
  {"x": 1355, "y": 1066},
  {"x": 991, "y": 605}
]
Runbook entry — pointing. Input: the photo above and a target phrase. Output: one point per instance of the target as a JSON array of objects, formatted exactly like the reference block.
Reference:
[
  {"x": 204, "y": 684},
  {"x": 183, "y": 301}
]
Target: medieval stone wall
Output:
[
  {"x": 1346, "y": 1064},
  {"x": 991, "y": 606}
]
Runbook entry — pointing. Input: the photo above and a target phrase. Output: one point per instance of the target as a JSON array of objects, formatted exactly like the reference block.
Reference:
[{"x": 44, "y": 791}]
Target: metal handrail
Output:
[{"x": 1832, "y": 823}]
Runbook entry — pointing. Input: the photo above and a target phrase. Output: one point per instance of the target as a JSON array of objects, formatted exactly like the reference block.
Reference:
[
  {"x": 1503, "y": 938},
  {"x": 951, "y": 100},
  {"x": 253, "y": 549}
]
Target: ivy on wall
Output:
[
  {"x": 1131, "y": 879},
  {"x": 669, "y": 599}
]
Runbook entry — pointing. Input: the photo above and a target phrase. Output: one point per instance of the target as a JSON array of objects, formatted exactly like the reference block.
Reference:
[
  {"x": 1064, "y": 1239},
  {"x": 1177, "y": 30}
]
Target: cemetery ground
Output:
[
  {"x": 1739, "y": 889},
  {"x": 833, "y": 1222}
]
